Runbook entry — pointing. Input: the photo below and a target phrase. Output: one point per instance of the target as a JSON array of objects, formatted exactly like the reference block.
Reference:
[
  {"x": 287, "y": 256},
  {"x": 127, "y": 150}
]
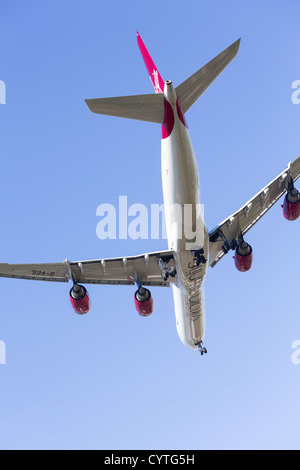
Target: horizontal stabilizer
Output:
[
  {"x": 148, "y": 108},
  {"x": 190, "y": 90}
]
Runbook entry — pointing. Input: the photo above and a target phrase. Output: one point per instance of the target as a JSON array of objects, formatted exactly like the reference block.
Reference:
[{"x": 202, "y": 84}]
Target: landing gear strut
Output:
[{"x": 201, "y": 348}]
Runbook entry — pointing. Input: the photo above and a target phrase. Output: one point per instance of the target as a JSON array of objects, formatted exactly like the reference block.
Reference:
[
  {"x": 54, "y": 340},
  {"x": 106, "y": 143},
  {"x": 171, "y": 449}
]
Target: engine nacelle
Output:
[
  {"x": 291, "y": 205},
  {"x": 243, "y": 257},
  {"x": 79, "y": 299},
  {"x": 143, "y": 301}
]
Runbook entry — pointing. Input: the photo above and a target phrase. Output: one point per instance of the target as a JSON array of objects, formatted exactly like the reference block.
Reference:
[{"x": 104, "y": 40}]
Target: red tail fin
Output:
[{"x": 154, "y": 74}]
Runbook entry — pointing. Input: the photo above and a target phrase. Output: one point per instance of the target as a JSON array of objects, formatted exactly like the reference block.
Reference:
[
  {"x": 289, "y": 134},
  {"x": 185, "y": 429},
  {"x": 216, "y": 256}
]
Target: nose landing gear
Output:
[{"x": 201, "y": 348}]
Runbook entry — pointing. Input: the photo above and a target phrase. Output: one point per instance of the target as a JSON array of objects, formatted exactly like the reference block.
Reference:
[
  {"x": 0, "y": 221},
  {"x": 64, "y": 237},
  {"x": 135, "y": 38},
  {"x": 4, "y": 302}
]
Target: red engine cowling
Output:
[
  {"x": 243, "y": 257},
  {"x": 143, "y": 301},
  {"x": 79, "y": 299},
  {"x": 291, "y": 205}
]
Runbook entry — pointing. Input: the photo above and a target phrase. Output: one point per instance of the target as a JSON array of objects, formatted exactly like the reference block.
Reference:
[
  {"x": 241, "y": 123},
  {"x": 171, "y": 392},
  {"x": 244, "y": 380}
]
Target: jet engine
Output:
[
  {"x": 79, "y": 299},
  {"x": 243, "y": 257},
  {"x": 291, "y": 205},
  {"x": 143, "y": 301}
]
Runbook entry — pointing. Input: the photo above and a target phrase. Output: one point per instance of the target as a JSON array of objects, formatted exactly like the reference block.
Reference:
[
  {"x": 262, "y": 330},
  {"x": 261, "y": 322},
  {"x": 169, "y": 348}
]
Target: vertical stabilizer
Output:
[{"x": 154, "y": 74}]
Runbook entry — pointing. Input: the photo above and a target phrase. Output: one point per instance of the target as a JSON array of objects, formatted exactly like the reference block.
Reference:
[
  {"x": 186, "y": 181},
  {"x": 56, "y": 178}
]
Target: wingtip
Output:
[
  {"x": 236, "y": 45},
  {"x": 89, "y": 104}
]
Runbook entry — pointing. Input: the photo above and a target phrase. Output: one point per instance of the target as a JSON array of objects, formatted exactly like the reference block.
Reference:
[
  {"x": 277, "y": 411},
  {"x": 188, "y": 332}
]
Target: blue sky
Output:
[{"x": 113, "y": 380}]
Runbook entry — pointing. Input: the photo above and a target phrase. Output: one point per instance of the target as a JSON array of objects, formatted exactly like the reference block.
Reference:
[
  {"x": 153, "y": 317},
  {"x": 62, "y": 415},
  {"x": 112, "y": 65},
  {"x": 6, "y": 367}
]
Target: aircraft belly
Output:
[
  {"x": 181, "y": 189},
  {"x": 189, "y": 314}
]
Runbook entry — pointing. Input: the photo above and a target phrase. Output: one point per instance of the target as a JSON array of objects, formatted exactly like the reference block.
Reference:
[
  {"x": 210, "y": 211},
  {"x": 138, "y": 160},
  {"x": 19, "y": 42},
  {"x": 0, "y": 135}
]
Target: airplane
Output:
[{"x": 184, "y": 265}]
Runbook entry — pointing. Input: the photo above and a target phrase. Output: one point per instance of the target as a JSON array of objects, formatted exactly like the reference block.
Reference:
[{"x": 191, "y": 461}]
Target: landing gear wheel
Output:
[
  {"x": 168, "y": 272},
  {"x": 172, "y": 271},
  {"x": 198, "y": 257}
]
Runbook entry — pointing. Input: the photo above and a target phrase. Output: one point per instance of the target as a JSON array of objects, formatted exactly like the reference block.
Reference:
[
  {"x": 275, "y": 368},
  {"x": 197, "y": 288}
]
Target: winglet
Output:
[{"x": 154, "y": 74}]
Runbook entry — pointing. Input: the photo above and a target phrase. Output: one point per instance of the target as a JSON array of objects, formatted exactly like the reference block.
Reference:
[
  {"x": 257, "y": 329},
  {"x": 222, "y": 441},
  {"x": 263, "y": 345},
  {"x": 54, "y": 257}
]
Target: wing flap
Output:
[{"x": 124, "y": 271}]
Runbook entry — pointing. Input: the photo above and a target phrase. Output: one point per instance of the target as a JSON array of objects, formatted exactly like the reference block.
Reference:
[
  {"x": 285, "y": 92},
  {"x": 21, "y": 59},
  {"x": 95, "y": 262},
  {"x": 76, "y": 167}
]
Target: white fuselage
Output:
[{"x": 185, "y": 225}]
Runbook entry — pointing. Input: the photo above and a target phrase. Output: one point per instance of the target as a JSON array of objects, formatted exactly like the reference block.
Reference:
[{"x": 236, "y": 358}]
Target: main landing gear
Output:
[
  {"x": 198, "y": 257},
  {"x": 165, "y": 271},
  {"x": 201, "y": 349}
]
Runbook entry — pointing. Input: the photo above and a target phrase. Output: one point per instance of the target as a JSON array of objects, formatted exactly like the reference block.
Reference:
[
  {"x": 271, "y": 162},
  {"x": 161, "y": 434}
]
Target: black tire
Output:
[{"x": 172, "y": 271}]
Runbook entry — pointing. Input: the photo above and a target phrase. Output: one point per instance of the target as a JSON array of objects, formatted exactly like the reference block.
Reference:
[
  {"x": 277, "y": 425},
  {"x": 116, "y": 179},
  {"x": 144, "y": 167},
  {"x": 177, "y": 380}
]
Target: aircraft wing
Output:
[
  {"x": 242, "y": 220},
  {"x": 122, "y": 271}
]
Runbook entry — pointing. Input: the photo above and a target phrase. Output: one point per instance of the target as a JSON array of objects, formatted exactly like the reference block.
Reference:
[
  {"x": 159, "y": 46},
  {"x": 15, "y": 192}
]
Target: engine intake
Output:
[
  {"x": 79, "y": 299},
  {"x": 243, "y": 257},
  {"x": 291, "y": 205},
  {"x": 143, "y": 301}
]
